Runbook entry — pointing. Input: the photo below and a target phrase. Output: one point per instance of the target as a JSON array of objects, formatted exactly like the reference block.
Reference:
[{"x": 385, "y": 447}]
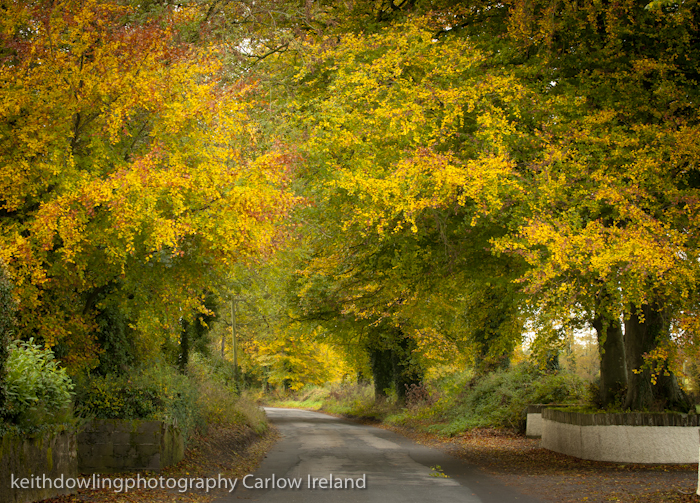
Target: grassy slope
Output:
[{"x": 449, "y": 406}]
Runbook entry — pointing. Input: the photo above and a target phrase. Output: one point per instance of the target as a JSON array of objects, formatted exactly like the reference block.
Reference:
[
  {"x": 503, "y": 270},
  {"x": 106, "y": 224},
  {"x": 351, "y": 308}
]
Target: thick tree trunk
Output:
[
  {"x": 382, "y": 371},
  {"x": 613, "y": 366},
  {"x": 405, "y": 374},
  {"x": 644, "y": 329}
]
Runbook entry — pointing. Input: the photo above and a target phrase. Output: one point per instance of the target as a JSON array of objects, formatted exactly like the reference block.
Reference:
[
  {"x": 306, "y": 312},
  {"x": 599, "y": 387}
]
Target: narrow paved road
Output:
[{"x": 391, "y": 468}]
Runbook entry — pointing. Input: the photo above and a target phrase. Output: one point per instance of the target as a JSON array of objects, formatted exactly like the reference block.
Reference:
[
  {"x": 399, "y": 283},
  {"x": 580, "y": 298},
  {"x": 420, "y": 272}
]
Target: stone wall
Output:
[
  {"x": 623, "y": 438},
  {"x": 114, "y": 445},
  {"x": 50, "y": 457}
]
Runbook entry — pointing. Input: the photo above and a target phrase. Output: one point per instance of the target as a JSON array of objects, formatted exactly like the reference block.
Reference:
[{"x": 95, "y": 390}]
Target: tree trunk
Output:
[
  {"x": 644, "y": 329},
  {"x": 382, "y": 371},
  {"x": 184, "y": 356},
  {"x": 613, "y": 366},
  {"x": 405, "y": 374}
]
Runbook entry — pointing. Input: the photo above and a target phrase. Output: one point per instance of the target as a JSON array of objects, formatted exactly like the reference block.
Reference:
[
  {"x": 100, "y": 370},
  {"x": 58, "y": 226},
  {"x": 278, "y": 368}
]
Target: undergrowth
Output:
[
  {"x": 207, "y": 395},
  {"x": 450, "y": 405},
  {"x": 497, "y": 400}
]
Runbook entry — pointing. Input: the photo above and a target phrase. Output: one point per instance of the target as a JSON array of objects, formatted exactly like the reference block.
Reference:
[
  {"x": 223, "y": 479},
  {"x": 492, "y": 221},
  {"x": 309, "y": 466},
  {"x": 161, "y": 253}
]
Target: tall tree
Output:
[
  {"x": 612, "y": 197},
  {"x": 129, "y": 170},
  {"x": 407, "y": 137}
]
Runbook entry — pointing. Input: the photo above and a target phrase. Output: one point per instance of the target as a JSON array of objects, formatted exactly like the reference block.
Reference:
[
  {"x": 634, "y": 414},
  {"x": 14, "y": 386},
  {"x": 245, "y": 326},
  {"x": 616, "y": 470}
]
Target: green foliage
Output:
[
  {"x": 206, "y": 395},
  {"x": 355, "y": 400},
  {"x": 8, "y": 307},
  {"x": 154, "y": 392},
  {"x": 116, "y": 338},
  {"x": 309, "y": 397},
  {"x": 112, "y": 397},
  {"x": 214, "y": 368},
  {"x": 194, "y": 334},
  {"x": 218, "y": 401},
  {"x": 500, "y": 399},
  {"x": 39, "y": 392},
  {"x": 358, "y": 400},
  {"x": 449, "y": 405}
]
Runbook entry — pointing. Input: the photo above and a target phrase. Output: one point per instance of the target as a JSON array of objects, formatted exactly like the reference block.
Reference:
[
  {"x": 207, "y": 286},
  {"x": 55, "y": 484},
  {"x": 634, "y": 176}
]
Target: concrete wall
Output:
[
  {"x": 533, "y": 428},
  {"x": 622, "y": 438},
  {"x": 50, "y": 456},
  {"x": 533, "y": 424},
  {"x": 113, "y": 445}
]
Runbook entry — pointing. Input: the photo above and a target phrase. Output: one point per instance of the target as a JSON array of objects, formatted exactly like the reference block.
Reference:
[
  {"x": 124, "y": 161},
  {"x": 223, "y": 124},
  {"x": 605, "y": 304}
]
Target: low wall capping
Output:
[
  {"x": 622, "y": 419},
  {"x": 533, "y": 417},
  {"x": 537, "y": 408}
]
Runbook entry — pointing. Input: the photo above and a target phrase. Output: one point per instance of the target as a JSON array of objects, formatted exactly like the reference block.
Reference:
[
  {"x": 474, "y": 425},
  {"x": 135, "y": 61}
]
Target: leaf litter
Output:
[{"x": 522, "y": 464}]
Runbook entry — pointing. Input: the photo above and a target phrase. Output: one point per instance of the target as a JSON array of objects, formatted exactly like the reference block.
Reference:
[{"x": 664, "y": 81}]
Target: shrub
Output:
[
  {"x": 499, "y": 399},
  {"x": 205, "y": 395},
  {"x": 155, "y": 392},
  {"x": 355, "y": 400},
  {"x": 118, "y": 397},
  {"x": 39, "y": 392},
  {"x": 218, "y": 400}
]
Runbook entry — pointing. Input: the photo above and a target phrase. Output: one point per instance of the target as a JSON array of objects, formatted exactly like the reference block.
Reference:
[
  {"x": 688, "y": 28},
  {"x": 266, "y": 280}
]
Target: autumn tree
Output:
[
  {"x": 612, "y": 190},
  {"x": 130, "y": 174},
  {"x": 485, "y": 162},
  {"x": 404, "y": 138},
  {"x": 564, "y": 129}
]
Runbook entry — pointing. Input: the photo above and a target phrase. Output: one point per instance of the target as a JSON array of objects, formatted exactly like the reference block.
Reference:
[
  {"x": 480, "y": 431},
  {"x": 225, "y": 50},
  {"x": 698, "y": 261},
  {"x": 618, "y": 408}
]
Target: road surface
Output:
[{"x": 335, "y": 460}]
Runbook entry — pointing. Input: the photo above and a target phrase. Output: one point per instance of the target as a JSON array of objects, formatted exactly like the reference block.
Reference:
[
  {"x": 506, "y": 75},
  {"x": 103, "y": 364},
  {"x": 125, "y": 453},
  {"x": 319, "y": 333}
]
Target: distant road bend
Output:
[{"x": 347, "y": 462}]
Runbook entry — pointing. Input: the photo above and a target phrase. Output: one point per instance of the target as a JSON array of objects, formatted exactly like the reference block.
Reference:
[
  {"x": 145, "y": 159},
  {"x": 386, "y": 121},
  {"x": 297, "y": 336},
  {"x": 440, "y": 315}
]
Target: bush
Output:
[
  {"x": 157, "y": 392},
  {"x": 118, "y": 397},
  {"x": 452, "y": 404},
  {"x": 500, "y": 399},
  {"x": 205, "y": 395},
  {"x": 219, "y": 401},
  {"x": 39, "y": 392}
]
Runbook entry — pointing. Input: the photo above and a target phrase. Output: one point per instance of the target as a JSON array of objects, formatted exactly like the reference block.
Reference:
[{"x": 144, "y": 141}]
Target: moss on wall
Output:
[{"x": 51, "y": 456}]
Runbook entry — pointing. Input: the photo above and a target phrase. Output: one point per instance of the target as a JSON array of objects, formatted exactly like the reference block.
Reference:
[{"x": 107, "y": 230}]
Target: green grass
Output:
[{"x": 298, "y": 404}]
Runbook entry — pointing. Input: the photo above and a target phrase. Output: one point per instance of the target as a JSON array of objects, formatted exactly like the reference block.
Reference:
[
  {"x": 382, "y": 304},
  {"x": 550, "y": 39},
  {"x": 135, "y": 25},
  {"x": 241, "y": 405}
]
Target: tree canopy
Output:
[
  {"x": 130, "y": 170},
  {"x": 444, "y": 173}
]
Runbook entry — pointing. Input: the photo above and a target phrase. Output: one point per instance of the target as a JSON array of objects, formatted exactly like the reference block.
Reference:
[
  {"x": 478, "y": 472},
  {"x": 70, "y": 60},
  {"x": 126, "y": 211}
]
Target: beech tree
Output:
[
  {"x": 566, "y": 130},
  {"x": 465, "y": 167},
  {"x": 405, "y": 137},
  {"x": 612, "y": 189},
  {"x": 129, "y": 172}
]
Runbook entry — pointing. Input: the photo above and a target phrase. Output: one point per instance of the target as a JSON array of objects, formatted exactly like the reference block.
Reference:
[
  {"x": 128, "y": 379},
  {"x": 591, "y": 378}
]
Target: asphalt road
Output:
[{"x": 334, "y": 460}]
